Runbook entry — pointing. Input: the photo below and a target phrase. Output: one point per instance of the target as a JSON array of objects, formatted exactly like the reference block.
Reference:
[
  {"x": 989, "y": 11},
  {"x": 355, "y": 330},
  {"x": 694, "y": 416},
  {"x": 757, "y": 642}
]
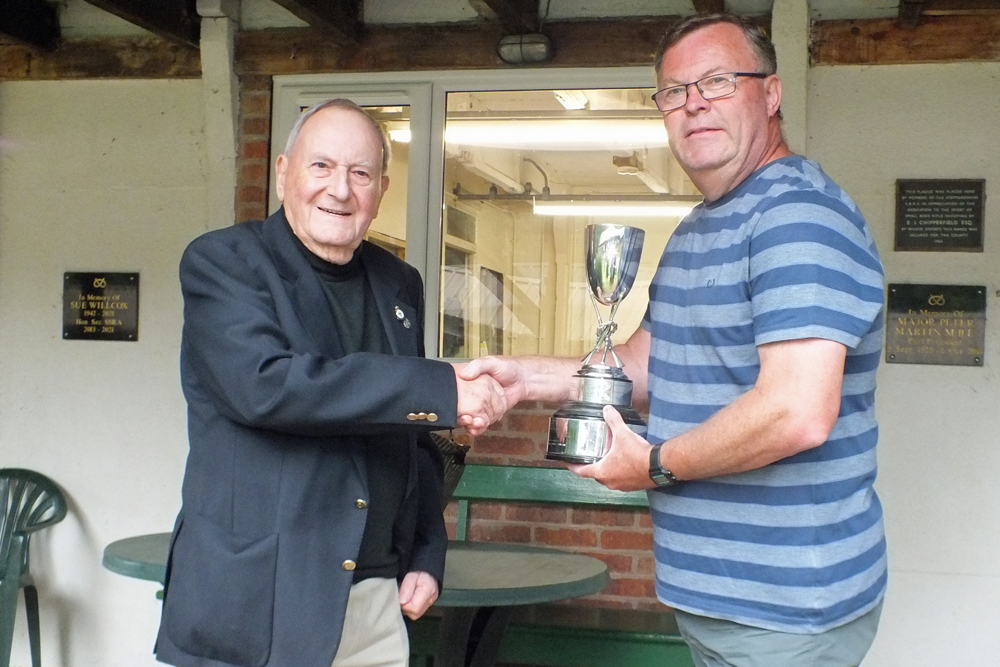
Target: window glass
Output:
[
  {"x": 388, "y": 230},
  {"x": 513, "y": 279}
]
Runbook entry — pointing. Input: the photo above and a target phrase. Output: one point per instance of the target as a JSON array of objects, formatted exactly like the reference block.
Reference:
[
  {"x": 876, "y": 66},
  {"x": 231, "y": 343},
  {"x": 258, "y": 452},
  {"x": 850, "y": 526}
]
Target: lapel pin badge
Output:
[
  {"x": 406, "y": 323},
  {"x": 399, "y": 313}
]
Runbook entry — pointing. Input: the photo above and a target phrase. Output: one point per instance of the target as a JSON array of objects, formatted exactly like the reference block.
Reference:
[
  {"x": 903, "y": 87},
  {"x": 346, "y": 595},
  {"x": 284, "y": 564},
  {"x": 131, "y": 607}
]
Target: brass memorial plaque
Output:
[
  {"x": 101, "y": 306},
  {"x": 935, "y": 324}
]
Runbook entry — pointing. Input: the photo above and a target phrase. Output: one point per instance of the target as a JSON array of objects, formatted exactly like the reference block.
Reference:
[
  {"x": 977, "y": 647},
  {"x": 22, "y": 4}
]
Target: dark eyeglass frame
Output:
[{"x": 697, "y": 84}]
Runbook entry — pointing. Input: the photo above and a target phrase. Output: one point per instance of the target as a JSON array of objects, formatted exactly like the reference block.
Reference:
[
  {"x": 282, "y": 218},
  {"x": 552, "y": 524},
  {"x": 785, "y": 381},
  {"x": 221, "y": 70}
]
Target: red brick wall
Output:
[
  {"x": 253, "y": 162},
  {"x": 621, "y": 538}
]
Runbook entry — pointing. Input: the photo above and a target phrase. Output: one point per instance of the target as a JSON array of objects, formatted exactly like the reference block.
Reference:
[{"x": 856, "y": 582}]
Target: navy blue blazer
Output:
[{"x": 275, "y": 486}]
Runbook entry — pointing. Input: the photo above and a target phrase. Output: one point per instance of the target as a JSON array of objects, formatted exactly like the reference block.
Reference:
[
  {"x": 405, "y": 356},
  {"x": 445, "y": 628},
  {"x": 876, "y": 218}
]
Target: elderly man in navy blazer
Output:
[{"x": 311, "y": 518}]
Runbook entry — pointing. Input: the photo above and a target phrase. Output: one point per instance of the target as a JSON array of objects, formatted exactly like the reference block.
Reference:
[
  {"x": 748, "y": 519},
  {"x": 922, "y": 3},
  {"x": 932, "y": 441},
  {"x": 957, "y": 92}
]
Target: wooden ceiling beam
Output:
[
  {"x": 605, "y": 43},
  {"x": 517, "y": 17},
  {"x": 709, "y": 6},
  {"x": 339, "y": 20},
  {"x": 174, "y": 20},
  {"x": 937, "y": 39},
  {"x": 959, "y": 7},
  {"x": 30, "y": 22},
  {"x": 909, "y": 13},
  {"x": 104, "y": 58}
]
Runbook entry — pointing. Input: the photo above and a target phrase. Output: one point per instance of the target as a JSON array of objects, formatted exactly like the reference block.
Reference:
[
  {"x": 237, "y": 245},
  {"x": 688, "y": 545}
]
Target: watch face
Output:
[{"x": 663, "y": 478}]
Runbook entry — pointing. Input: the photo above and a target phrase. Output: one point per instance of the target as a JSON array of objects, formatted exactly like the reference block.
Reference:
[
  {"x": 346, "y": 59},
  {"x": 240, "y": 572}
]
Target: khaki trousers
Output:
[
  {"x": 717, "y": 643},
  {"x": 374, "y": 632}
]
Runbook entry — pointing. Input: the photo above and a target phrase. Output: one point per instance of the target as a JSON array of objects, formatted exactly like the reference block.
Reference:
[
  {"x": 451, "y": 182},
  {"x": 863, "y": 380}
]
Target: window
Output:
[
  {"x": 508, "y": 154},
  {"x": 484, "y": 153},
  {"x": 456, "y": 286}
]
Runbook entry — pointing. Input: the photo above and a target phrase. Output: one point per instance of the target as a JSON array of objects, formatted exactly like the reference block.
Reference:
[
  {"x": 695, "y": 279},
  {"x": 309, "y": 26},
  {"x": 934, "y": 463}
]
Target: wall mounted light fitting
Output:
[{"x": 521, "y": 49}]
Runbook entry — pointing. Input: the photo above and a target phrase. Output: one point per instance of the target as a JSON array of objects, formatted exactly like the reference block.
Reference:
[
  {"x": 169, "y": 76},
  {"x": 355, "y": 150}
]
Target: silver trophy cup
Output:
[{"x": 577, "y": 430}]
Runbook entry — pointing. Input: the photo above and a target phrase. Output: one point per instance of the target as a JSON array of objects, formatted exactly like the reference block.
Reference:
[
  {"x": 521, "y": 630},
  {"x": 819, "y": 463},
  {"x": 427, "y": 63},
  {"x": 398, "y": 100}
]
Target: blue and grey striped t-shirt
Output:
[{"x": 796, "y": 546}]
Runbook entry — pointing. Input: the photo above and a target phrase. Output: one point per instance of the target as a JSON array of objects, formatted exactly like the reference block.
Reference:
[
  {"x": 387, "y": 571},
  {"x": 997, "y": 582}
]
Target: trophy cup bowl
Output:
[
  {"x": 613, "y": 253},
  {"x": 577, "y": 430}
]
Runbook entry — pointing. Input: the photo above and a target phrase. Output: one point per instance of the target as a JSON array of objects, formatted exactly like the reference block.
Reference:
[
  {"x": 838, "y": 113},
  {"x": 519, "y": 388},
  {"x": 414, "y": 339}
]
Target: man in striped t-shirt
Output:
[{"x": 758, "y": 352}]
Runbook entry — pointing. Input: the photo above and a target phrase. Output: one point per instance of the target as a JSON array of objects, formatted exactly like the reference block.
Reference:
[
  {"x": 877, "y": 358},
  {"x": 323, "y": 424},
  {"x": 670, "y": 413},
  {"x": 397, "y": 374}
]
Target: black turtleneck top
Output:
[{"x": 360, "y": 329}]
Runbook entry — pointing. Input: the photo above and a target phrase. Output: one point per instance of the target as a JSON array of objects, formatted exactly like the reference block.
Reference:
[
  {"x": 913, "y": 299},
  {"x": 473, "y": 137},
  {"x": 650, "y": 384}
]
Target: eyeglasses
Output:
[{"x": 710, "y": 87}]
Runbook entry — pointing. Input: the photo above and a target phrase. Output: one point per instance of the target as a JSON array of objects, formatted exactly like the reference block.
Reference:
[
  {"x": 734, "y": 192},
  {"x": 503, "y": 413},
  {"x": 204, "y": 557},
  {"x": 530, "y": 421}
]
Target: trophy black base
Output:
[{"x": 579, "y": 434}]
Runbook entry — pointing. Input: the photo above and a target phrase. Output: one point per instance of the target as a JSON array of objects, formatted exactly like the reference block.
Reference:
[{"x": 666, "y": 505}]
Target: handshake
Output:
[{"x": 487, "y": 388}]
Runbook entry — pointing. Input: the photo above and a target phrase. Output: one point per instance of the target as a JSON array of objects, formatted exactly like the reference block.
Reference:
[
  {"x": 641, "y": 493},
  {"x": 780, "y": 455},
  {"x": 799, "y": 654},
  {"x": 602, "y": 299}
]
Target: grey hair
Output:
[
  {"x": 759, "y": 41},
  {"x": 340, "y": 103}
]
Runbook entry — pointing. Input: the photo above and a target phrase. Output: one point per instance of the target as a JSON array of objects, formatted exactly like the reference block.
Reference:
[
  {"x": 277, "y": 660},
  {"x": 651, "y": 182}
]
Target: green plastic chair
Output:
[{"x": 29, "y": 501}]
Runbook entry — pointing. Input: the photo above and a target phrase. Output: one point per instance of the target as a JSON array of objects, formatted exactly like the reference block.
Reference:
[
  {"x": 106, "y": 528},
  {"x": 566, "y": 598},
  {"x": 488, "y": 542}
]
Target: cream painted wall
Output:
[
  {"x": 110, "y": 176},
  {"x": 96, "y": 176},
  {"x": 938, "y": 449}
]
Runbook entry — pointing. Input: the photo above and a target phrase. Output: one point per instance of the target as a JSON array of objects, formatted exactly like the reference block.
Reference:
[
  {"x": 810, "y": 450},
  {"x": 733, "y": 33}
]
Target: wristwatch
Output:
[{"x": 657, "y": 472}]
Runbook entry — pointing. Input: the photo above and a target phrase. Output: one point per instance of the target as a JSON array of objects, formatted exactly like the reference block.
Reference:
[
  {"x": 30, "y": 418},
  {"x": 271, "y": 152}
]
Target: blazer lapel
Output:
[
  {"x": 399, "y": 317},
  {"x": 304, "y": 289}
]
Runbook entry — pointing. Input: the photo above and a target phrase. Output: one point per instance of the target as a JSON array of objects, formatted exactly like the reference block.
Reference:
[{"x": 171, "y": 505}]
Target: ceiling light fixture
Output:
[
  {"x": 550, "y": 134},
  {"x": 594, "y": 205},
  {"x": 617, "y": 209},
  {"x": 520, "y": 49},
  {"x": 558, "y": 133}
]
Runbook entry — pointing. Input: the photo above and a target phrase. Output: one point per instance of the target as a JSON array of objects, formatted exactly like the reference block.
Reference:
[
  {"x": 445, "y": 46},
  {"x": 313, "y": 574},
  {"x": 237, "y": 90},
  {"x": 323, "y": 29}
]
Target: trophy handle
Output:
[
  {"x": 614, "y": 309},
  {"x": 605, "y": 329}
]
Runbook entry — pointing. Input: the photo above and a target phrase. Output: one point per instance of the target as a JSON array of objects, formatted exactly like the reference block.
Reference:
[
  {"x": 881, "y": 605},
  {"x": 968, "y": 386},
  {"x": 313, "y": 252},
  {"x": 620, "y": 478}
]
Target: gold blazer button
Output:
[
  {"x": 349, "y": 565},
  {"x": 432, "y": 416},
  {"x": 361, "y": 504},
  {"x": 412, "y": 416}
]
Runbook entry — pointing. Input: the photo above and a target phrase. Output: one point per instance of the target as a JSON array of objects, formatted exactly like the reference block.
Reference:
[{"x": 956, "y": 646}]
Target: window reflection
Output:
[
  {"x": 388, "y": 230},
  {"x": 513, "y": 280}
]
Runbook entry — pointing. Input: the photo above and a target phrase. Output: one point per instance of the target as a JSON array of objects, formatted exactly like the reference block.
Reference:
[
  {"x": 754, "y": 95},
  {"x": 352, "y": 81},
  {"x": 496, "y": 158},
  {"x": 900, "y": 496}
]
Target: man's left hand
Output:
[
  {"x": 417, "y": 593},
  {"x": 626, "y": 465}
]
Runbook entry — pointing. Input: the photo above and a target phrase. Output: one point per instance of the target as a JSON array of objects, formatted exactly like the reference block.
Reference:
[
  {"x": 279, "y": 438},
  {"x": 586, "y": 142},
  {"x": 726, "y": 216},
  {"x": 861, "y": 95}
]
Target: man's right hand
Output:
[
  {"x": 535, "y": 378},
  {"x": 507, "y": 371}
]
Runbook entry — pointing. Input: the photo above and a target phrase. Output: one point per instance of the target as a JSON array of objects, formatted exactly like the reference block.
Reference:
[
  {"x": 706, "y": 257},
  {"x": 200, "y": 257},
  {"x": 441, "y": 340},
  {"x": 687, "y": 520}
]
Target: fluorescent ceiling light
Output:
[
  {"x": 558, "y": 133},
  {"x": 553, "y": 134},
  {"x": 617, "y": 209}
]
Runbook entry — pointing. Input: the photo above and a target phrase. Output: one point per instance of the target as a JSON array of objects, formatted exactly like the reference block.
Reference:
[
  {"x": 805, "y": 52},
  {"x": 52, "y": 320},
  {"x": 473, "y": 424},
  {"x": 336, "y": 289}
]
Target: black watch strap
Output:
[{"x": 657, "y": 472}]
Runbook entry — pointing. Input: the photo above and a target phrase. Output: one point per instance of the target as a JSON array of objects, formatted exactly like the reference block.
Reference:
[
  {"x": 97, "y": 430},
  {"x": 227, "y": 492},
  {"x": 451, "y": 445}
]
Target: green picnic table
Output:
[{"x": 483, "y": 582}]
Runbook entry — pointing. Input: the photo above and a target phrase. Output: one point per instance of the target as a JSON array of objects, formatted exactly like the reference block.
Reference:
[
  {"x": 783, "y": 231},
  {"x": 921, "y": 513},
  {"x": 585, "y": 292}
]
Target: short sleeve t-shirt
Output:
[{"x": 796, "y": 546}]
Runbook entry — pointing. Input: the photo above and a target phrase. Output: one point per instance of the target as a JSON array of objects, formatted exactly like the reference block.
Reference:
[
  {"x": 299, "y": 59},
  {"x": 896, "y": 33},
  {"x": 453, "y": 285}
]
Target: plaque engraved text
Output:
[{"x": 935, "y": 324}]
